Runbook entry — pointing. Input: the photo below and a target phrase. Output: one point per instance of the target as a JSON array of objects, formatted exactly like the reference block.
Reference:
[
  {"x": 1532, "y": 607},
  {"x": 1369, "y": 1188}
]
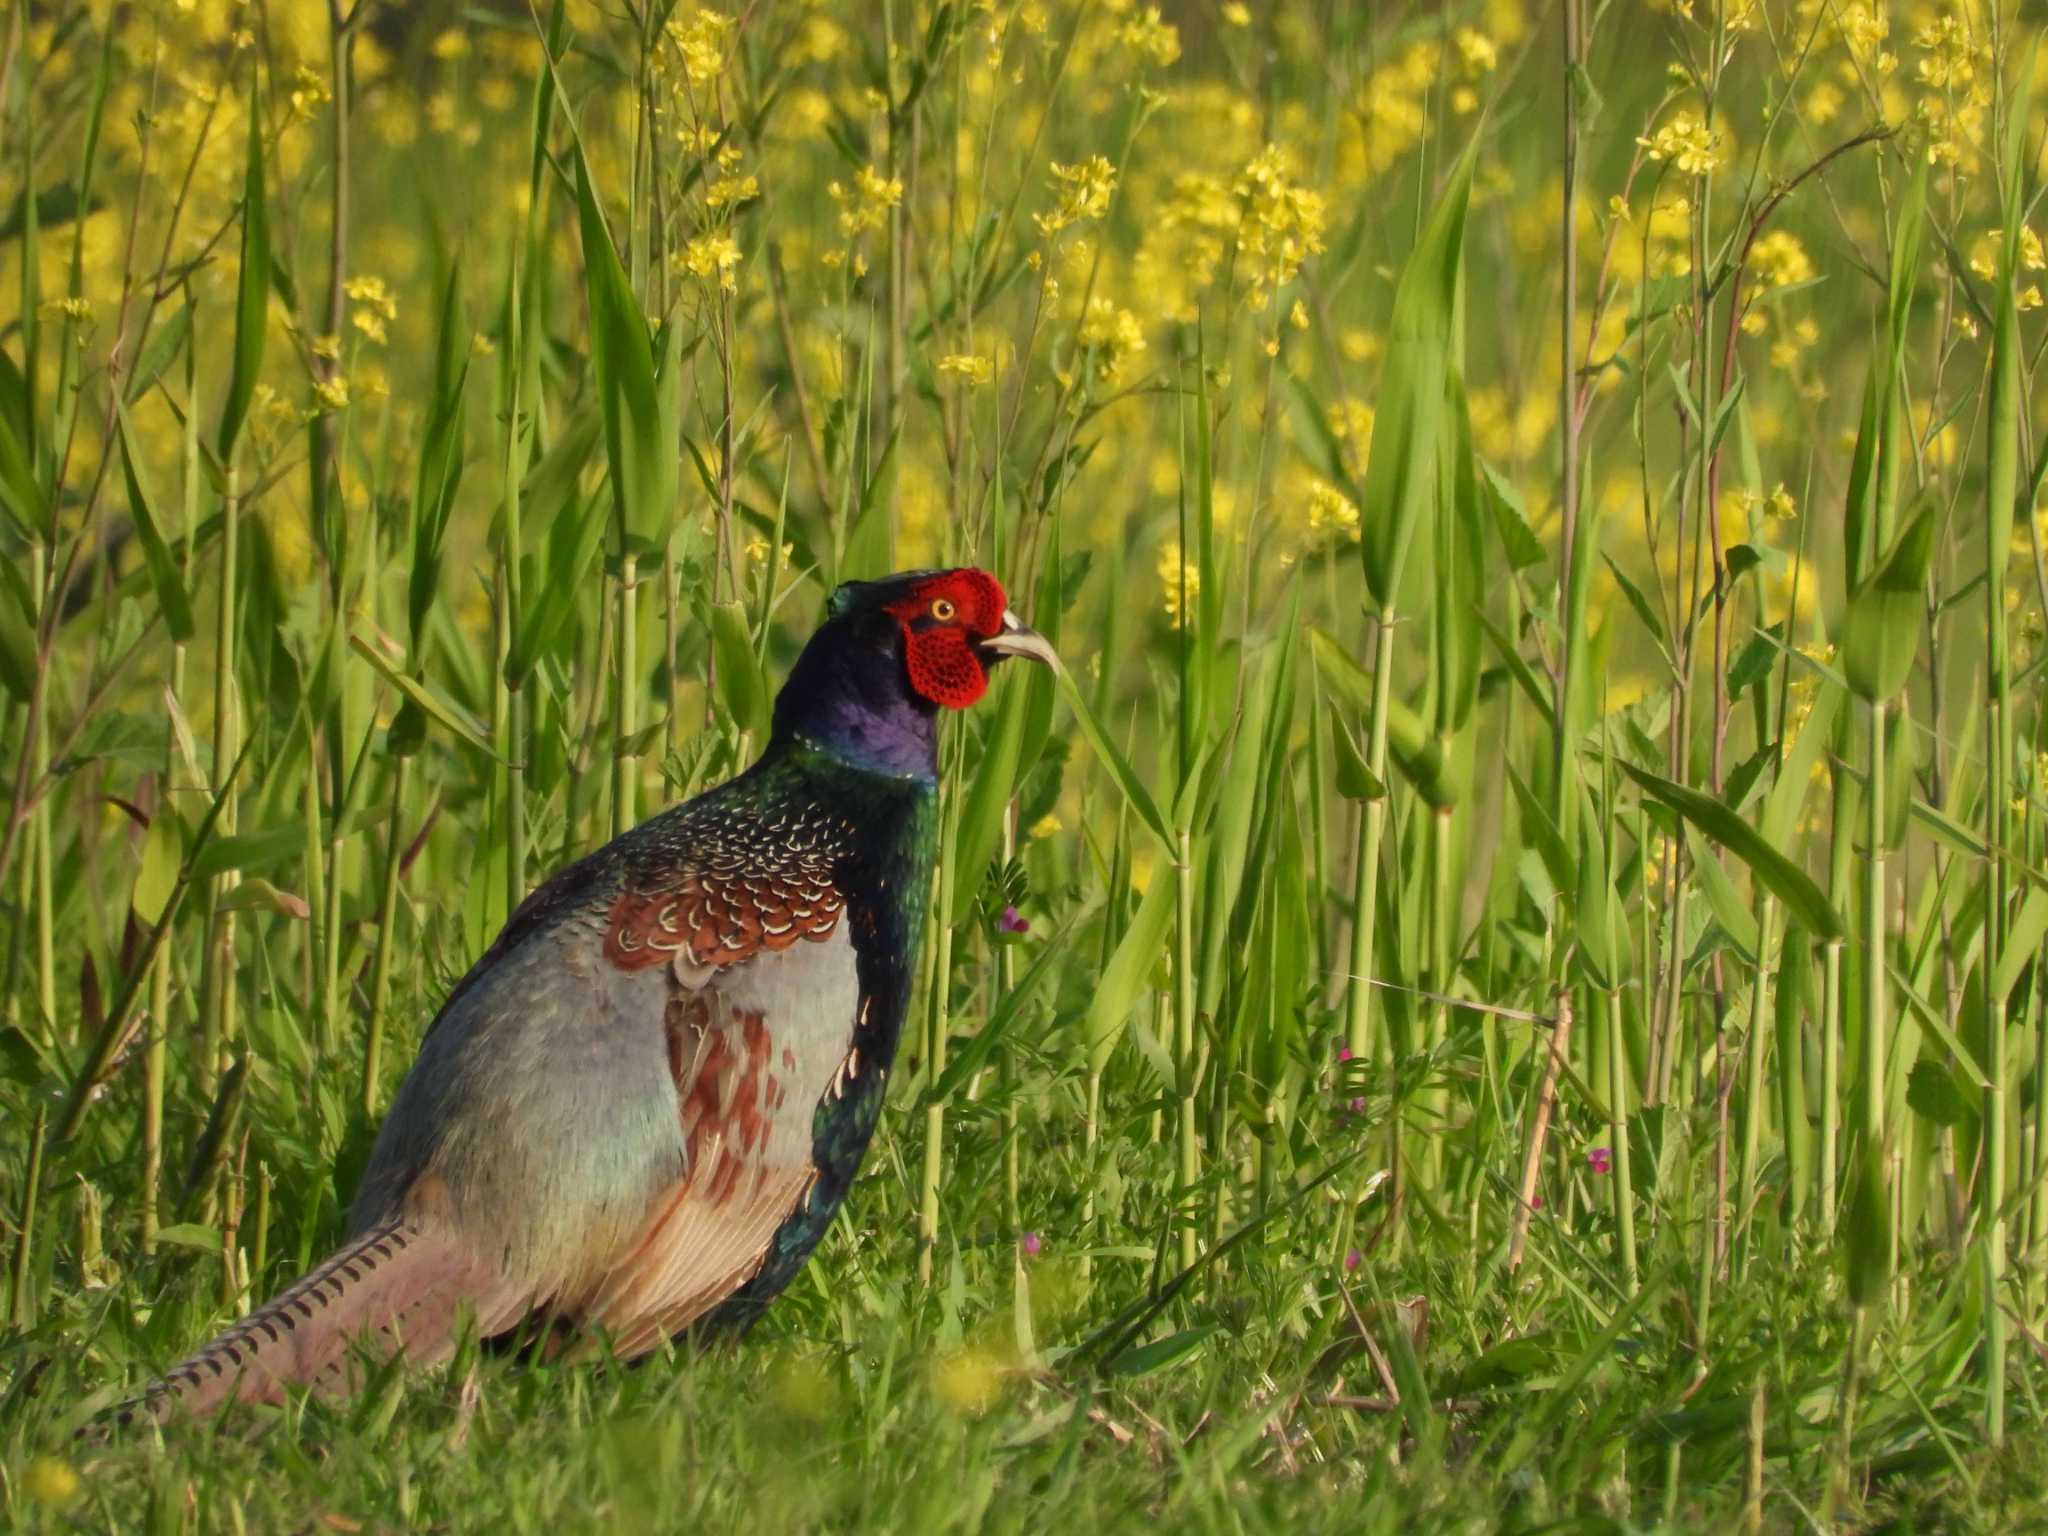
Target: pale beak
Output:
[{"x": 1018, "y": 639}]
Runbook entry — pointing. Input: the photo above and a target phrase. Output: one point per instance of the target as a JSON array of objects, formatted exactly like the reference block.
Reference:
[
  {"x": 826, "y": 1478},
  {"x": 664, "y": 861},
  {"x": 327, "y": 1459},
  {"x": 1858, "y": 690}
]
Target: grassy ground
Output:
[{"x": 1501, "y": 990}]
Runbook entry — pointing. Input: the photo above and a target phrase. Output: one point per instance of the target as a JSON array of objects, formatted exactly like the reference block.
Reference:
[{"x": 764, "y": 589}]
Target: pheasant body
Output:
[{"x": 642, "y": 1107}]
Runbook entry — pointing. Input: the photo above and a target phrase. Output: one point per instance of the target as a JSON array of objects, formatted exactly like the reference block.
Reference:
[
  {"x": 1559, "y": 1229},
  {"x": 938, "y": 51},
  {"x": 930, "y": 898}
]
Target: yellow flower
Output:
[
  {"x": 1476, "y": 49},
  {"x": 701, "y": 42},
  {"x": 1178, "y": 578},
  {"x": 52, "y": 1481},
  {"x": 1780, "y": 260},
  {"x": 968, "y": 1382},
  {"x": 975, "y": 370},
  {"x": 1083, "y": 193},
  {"x": 727, "y": 190},
  {"x": 330, "y": 394},
  {"x": 713, "y": 256},
  {"x": 1687, "y": 143},
  {"x": 1151, "y": 36},
  {"x": 1113, "y": 334},
  {"x": 867, "y": 204},
  {"x": 1237, "y": 13},
  {"x": 1283, "y": 222},
  {"x": 1330, "y": 509},
  {"x": 1779, "y": 503}
]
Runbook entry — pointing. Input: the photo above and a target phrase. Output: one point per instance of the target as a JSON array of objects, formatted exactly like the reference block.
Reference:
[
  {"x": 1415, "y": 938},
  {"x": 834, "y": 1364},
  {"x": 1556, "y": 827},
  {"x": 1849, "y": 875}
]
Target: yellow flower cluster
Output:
[
  {"x": 700, "y": 41},
  {"x": 1330, "y": 510},
  {"x": 976, "y": 370},
  {"x": 1112, "y": 336},
  {"x": 1283, "y": 223},
  {"x": 1082, "y": 192},
  {"x": 1179, "y": 578},
  {"x": 373, "y": 306},
  {"x": 713, "y": 257},
  {"x": 867, "y": 205},
  {"x": 1146, "y": 33},
  {"x": 1779, "y": 260},
  {"x": 1687, "y": 143}
]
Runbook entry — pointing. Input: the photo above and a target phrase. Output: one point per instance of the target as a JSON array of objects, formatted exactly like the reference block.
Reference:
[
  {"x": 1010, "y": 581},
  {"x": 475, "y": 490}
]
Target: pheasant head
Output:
[{"x": 891, "y": 654}]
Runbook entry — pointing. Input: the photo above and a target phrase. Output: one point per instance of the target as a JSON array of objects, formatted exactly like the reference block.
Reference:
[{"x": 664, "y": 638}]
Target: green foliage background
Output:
[{"x": 1529, "y": 1010}]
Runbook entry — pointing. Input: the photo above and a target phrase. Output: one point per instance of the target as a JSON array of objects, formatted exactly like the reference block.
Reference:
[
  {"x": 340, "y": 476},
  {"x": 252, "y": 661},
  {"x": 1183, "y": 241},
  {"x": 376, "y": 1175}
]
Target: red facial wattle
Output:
[{"x": 941, "y": 621}]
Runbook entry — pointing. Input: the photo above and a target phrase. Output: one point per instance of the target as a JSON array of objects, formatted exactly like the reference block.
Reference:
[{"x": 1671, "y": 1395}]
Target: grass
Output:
[{"x": 1530, "y": 1014}]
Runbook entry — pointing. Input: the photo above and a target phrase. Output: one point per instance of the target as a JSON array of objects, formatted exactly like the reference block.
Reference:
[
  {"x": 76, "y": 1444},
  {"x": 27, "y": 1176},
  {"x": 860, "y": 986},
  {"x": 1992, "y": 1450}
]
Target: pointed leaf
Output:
[{"x": 1786, "y": 880}]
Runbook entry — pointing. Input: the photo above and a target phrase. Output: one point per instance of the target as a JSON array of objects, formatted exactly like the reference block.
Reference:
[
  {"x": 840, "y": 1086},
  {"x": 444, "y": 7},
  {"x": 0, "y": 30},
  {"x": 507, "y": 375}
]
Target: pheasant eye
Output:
[{"x": 943, "y": 610}]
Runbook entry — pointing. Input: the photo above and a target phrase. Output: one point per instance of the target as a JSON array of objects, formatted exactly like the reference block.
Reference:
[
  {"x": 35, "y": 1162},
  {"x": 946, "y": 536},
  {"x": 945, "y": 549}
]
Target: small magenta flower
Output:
[
  {"x": 1352, "y": 1260},
  {"x": 1012, "y": 921},
  {"x": 1601, "y": 1159},
  {"x": 1343, "y": 1053},
  {"x": 1031, "y": 1243}
]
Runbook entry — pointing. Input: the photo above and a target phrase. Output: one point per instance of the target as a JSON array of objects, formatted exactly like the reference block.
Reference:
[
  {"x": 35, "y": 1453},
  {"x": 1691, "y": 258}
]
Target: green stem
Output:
[
  {"x": 1754, "y": 1108},
  {"x": 1371, "y": 828},
  {"x": 39, "y": 827},
  {"x": 387, "y": 923},
  {"x": 220, "y": 1017},
  {"x": 24, "y": 1312},
  {"x": 1188, "y": 1068},
  {"x": 938, "y": 1024},
  {"x": 627, "y": 713}
]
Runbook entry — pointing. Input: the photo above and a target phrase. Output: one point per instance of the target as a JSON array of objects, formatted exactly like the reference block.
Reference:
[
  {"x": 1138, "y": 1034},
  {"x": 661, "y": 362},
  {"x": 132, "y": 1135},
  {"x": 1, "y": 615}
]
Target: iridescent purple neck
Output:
[{"x": 849, "y": 695}]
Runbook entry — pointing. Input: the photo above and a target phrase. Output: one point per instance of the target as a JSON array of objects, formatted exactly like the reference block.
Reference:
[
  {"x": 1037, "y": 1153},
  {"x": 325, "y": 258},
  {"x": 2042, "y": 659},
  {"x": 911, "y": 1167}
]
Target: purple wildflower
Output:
[
  {"x": 1352, "y": 1260},
  {"x": 1012, "y": 921},
  {"x": 1030, "y": 1244},
  {"x": 1601, "y": 1159}
]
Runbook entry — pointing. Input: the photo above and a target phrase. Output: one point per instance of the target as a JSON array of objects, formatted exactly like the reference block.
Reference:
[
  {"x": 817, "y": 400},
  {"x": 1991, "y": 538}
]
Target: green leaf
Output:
[
  {"x": 1129, "y": 970},
  {"x": 164, "y": 574},
  {"x": 1510, "y": 519},
  {"x": 1882, "y": 627},
  {"x": 742, "y": 687},
  {"x": 1736, "y": 920},
  {"x": 440, "y": 462},
  {"x": 17, "y": 635},
  {"x": 247, "y": 851},
  {"x": 163, "y": 851},
  {"x": 159, "y": 352},
  {"x": 1459, "y": 568},
  {"x": 1786, "y": 880},
  {"x": 1146, "y": 1359},
  {"x": 190, "y": 1234},
  {"x": 1932, "y": 1094},
  {"x": 1401, "y": 469},
  {"x": 21, "y": 492},
  {"x": 1355, "y": 778},
  {"x": 252, "y": 292},
  {"x": 2021, "y": 944},
  {"x": 995, "y": 781},
  {"x": 420, "y": 693},
  {"x": 1780, "y": 817},
  {"x": 642, "y": 457},
  {"x": 1135, "y": 794},
  {"x": 1866, "y": 1249}
]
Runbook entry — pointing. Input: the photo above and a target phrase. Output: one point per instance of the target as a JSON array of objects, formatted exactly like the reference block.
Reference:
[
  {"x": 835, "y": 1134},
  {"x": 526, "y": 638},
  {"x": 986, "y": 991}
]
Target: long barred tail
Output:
[{"x": 398, "y": 1287}]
